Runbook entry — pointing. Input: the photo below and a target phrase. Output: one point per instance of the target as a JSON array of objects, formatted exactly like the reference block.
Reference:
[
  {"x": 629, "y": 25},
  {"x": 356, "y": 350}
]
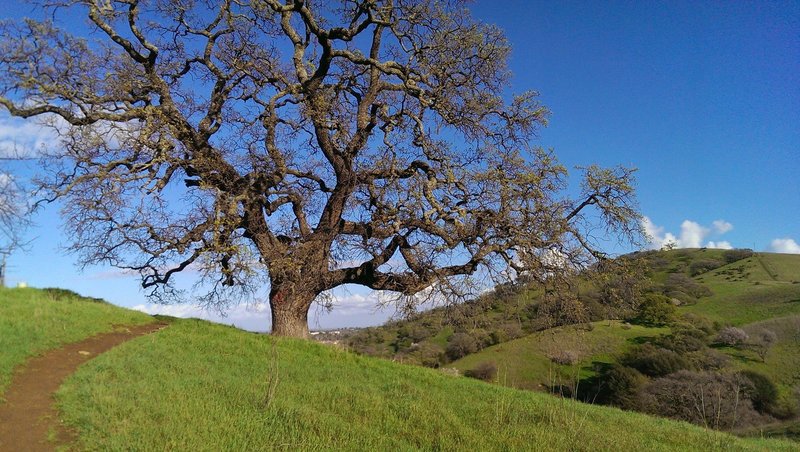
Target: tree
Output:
[{"x": 306, "y": 145}]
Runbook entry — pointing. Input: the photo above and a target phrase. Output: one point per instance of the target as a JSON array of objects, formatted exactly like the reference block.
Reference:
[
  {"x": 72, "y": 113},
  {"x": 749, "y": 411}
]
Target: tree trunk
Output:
[{"x": 290, "y": 311}]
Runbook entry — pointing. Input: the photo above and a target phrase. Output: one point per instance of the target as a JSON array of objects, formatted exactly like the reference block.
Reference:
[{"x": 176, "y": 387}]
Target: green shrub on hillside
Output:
[
  {"x": 460, "y": 345},
  {"x": 760, "y": 390},
  {"x": 656, "y": 310},
  {"x": 620, "y": 387},
  {"x": 732, "y": 256},
  {"x": 704, "y": 265},
  {"x": 654, "y": 361}
]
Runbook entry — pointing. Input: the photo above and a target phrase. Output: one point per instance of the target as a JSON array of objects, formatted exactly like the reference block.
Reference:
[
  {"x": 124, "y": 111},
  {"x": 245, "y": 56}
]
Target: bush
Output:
[
  {"x": 564, "y": 357},
  {"x": 763, "y": 342},
  {"x": 731, "y": 256},
  {"x": 681, "y": 342},
  {"x": 656, "y": 310},
  {"x": 619, "y": 386},
  {"x": 460, "y": 345},
  {"x": 429, "y": 355},
  {"x": 704, "y": 265},
  {"x": 698, "y": 322},
  {"x": 732, "y": 336},
  {"x": 684, "y": 288},
  {"x": 654, "y": 361},
  {"x": 709, "y": 399},
  {"x": 708, "y": 359},
  {"x": 760, "y": 390},
  {"x": 485, "y": 371}
]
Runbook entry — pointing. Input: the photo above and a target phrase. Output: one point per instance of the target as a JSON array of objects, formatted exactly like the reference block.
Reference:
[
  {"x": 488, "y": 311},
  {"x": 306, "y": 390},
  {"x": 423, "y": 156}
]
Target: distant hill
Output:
[{"x": 709, "y": 290}]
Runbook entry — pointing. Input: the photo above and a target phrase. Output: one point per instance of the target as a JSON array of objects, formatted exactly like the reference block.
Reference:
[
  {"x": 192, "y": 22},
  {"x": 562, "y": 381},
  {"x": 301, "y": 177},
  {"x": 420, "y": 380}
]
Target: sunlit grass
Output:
[
  {"x": 199, "y": 386},
  {"x": 33, "y": 320}
]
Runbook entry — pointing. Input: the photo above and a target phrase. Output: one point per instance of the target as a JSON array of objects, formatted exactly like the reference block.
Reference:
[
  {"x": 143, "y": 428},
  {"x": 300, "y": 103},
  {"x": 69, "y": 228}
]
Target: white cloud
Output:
[
  {"x": 23, "y": 138},
  {"x": 723, "y": 245},
  {"x": 785, "y": 245},
  {"x": 721, "y": 226},
  {"x": 692, "y": 234}
]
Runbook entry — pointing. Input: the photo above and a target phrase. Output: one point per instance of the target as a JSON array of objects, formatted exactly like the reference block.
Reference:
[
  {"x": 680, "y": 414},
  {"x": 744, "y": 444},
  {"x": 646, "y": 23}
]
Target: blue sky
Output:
[{"x": 702, "y": 97}]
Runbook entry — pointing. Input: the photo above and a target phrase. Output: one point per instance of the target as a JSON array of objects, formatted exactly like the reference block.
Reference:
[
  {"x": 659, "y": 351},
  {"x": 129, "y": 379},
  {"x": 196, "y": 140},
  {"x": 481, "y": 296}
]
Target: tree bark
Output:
[{"x": 289, "y": 309}]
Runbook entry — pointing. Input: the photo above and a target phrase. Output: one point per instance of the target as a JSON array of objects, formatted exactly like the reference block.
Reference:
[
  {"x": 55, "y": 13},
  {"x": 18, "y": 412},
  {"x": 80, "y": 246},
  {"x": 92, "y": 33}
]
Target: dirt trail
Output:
[{"x": 28, "y": 417}]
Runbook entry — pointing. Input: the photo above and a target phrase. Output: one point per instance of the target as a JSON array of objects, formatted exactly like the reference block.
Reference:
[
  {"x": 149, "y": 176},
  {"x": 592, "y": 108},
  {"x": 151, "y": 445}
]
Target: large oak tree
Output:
[{"x": 300, "y": 146}]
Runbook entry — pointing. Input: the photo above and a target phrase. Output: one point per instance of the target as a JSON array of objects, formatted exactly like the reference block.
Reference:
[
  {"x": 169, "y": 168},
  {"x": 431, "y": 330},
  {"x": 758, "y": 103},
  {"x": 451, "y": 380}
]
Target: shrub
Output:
[
  {"x": 429, "y": 355},
  {"x": 731, "y": 256},
  {"x": 760, "y": 390},
  {"x": 460, "y": 345},
  {"x": 731, "y": 336},
  {"x": 763, "y": 342},
  {"x": 709, "y": 359},
  {"x": 680, "y": 342},
  {"x": 681, "y": 286},
  {"x": 564, "y": 357},
  {"x": 698, "y": 322},
  {"x": 619, "y": 386},
  {"x": 485, "y": 371},
  {"x": 709, "y": 399},
  {"x": 656, "y": 310},
  {"x": 704, "y": 265},
  {"x": 654, "y": 361}
]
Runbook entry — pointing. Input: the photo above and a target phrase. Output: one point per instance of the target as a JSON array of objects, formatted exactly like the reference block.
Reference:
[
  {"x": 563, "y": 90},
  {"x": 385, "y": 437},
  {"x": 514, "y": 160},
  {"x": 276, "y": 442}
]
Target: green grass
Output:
[
  {"x": 524, "y": 363},
  {"x": 762, "y": 287},
  {"x": 33, "y": 320},
  {"x": 200, "y": 386}
]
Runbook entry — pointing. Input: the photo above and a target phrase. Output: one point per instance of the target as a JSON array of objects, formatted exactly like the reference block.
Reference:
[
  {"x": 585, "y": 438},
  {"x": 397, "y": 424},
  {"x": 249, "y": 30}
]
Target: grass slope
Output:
[
  {"x": 525, "y": 363},
  {"x": 758, "y": 288},
  {"x": 33, "y": 320},
  {"x": 200, "y": 386}
]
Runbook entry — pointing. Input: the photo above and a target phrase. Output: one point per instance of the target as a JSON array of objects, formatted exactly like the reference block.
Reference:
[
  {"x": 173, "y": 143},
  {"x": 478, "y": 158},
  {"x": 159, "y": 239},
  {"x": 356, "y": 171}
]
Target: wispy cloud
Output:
[{"x": 785, "y": 245}]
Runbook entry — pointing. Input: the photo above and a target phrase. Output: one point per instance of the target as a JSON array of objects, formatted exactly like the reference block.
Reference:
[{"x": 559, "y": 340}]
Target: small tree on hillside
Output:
[{"x": 304, "y": 145}]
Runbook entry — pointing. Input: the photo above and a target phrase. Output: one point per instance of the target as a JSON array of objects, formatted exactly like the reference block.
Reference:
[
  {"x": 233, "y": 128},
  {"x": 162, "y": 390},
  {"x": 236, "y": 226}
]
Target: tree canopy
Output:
[{"x": 300, "y": 146}]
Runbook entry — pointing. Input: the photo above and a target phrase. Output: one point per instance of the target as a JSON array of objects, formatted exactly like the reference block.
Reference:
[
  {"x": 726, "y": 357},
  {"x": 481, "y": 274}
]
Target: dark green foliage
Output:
[
  {"x": 620, "y": 387},
  {"x": 761, "y": 391},
  {"x": 681, "y": 343},
  {"x": 656, "y": 310},
  {"x": 697, "y": 322},
  {"x": 731, "y": 256},
  {"x": 460, "y": 345},
  {"x": 485, "y": 371},
  {"x": 654, "y": 361},
  {"x": 684, "y": 288},
  {"x": 704, "y": 265}
]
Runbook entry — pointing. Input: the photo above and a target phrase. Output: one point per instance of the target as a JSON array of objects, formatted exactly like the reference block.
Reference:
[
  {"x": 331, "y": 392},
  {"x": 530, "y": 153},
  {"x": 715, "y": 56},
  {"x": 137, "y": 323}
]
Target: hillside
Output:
[
  {"x": 713, "y": 289},
  {"x": 201, "y": 386},
  {"x": 33, "y": 320}
]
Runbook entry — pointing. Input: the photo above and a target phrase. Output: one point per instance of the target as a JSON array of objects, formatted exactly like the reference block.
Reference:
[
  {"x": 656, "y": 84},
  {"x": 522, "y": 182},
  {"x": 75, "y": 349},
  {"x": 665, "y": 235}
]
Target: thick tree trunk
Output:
[{"x": 290, "y": 311}]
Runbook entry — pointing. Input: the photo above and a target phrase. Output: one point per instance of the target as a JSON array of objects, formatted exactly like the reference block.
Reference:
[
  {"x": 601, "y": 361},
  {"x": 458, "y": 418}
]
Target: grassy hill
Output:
[
  {"x": 33, "y": 320},
  {"x": 202, "y": 386},
  {"x": 526, "y": 362}
]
